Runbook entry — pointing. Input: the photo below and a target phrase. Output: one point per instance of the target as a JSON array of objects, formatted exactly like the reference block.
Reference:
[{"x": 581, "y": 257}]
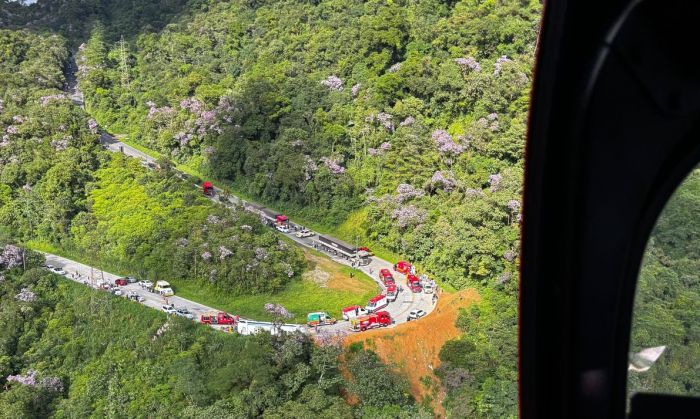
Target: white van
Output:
[{"x": 163, "y": 288}]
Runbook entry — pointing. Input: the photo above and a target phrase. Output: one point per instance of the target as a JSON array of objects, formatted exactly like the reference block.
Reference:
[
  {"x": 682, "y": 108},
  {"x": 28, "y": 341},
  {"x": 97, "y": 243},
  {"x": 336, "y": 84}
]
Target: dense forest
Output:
[
  {"x": 401, "y": 123},
  {"x": 397, "y": 123},
  {"x": 58, "y": 187},
  {"x": 667, "y": 305},
  {"x": 396, "y": 116}
]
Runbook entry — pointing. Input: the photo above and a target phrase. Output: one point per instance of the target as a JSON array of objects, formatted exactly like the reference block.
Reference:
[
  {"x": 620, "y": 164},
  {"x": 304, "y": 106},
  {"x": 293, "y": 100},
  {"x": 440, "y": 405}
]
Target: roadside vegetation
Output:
[
  {"x": 60, "y": 192},
  {"x": 325, "y": 286},
  {"x": 398, "y": 124},
  {"x": 406, "y": 118},
  {"x": 70, "y": 351},
  {"x": 401, "y": 124}
]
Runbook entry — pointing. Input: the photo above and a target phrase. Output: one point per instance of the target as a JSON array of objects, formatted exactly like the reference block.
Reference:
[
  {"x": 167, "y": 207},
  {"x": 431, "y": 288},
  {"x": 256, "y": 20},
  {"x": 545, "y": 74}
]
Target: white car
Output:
[
  {"x": 304, "y": 233},
  {"x": 416, "y": 314},
  {"x": 131, "y": 279},
  {"x": 60, "y": 271},
  {"x": 183, "y": 312},
  {"x": 117, "y": 292},
  {"x": 135, "y": 297},
  {"x": 282, "y": 229},
  {"x": 169, "y": 309},
  {"x": 146, "y": 284},
  {"x": 428, "y": 289}
]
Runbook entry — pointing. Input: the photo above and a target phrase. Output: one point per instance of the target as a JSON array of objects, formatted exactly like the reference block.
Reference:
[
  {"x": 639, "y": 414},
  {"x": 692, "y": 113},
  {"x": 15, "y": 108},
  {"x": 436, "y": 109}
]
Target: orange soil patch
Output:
[
  {"x": 413, "y": 347},
  {"x": 336, "y": 278}
]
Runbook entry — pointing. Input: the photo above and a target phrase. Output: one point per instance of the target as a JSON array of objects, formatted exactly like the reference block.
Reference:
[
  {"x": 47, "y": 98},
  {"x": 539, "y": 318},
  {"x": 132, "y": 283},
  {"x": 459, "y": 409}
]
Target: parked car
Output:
[
  {"x": 117, "y": 292},
  {"x": 135, "y": 297},
  {"x": 146, "y": 284},
  {"x": 304, "y": 232},
  {"x": 169, "y": 309},
  {"x": 428, "y": 289},
  {"x": 131, "y": 279},
  {"x": 282, "y": 229},
  {"x": 183, "y": 312},
  {"x": 120, "y": 282},
  {"x": 416, "y": 314},
  {"x": 366, "y": 251},
  {"x": 60, "y": 271}
]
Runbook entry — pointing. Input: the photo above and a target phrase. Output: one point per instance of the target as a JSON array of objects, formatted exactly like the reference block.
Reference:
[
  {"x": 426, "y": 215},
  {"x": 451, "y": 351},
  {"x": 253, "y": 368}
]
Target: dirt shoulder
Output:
[{"x": 413, "y": 348}]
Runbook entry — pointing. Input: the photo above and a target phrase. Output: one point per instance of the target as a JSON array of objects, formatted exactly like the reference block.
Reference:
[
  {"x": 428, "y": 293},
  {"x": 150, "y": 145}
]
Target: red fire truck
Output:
[
  {"x": 403, "y": 267},
  {"x": 370, "y": 321},
  {"x": 386, "y": 277},
  {"x": 218, "y": 318},
  {"x": 413, "y": 283}
]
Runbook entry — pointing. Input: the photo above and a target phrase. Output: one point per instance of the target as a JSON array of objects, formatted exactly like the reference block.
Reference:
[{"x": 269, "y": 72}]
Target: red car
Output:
[
  {"x": 208, "y": 189},
  {"x": 121, "y": 282},
  {"x": 218, "y": 318},
  {"x": 365, "y": 250}
]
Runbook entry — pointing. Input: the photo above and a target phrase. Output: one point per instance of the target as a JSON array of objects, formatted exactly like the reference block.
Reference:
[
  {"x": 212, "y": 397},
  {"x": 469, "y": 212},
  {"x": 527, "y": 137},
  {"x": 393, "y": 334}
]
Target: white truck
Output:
[
  {"x": 251, "y": 327},
  {"x": 163, "y": 288}
]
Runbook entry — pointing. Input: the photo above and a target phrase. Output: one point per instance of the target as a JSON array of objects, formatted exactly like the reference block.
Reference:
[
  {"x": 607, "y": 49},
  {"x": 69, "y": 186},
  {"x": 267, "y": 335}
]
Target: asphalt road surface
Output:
[
  {"x": 399, "y": 309},
  {"x": 97, "y": 279}
]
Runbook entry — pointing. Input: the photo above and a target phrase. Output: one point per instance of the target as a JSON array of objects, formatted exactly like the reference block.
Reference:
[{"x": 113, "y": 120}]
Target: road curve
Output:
[
  {"x": 94, "y": 277},
  {"x": 399, "y": 309}
]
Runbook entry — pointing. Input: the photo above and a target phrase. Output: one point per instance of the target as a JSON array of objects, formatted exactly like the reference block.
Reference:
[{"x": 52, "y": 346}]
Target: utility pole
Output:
[{"x": 123, "y": 63}]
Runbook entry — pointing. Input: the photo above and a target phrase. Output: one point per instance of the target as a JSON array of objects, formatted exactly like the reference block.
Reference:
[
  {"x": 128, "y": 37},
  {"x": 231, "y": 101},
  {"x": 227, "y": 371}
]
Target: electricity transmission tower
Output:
[{"x": 123, "y": 62}]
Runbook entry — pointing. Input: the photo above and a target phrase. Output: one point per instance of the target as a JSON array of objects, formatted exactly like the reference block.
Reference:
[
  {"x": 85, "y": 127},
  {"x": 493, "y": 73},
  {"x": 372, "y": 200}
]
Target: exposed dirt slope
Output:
[{"x": 413, "y": 347}]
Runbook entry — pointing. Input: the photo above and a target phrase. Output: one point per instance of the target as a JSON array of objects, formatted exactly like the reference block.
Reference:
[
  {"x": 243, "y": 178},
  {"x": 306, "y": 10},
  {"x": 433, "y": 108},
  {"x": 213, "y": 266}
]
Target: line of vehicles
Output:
[
  {"x": 162, "y": 288},
  {"x": 358, "y": 254},
  {"x": 97, "y": 283},
  {"x": 372, "y": 315},
  {"x": 360, "y": 318},
  {"x": 230, "y": 323}
]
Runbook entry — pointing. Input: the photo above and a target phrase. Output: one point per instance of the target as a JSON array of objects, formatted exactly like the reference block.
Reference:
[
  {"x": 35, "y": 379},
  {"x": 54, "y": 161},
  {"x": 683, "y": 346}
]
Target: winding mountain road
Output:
[{"x": 399, "y": 309}]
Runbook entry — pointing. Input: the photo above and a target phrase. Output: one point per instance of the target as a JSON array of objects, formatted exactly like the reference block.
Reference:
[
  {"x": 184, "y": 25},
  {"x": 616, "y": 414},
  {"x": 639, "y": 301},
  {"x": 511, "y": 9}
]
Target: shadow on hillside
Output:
[{"x": 75, "y": 18}]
